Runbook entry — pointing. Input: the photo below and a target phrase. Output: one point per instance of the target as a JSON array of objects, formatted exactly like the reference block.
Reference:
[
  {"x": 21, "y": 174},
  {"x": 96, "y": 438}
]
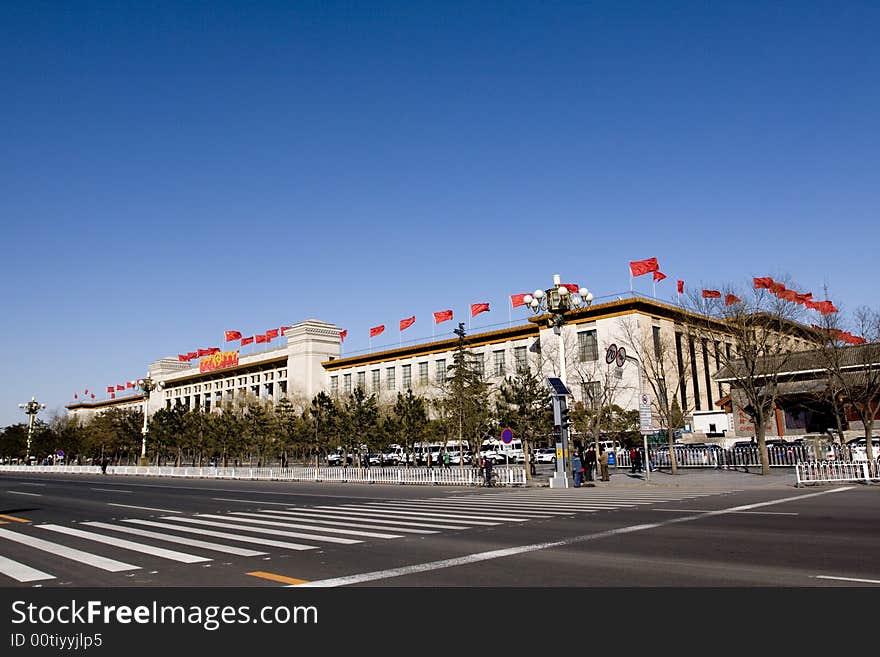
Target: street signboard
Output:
[
  {"x": 506, "y": 436},
  {"x": 621, "y": 357},
  {"x": 60, "y": 452},
  {"x": 611, "y": 354},
  {"x": 645, "y": 413}
]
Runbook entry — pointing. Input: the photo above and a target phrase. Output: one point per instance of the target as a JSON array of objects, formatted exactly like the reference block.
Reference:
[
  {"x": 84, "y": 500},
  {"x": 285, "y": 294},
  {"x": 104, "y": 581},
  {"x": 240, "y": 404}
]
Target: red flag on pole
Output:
[
  {"x": 283, "y": 329},
  {"x": 640, "y": 267},
  {"x": 516, "y": 300},
  {"x": 406, "y": 323},
  {"x": 86, "y": 391},
  {"x": 233, "y": 335},
  {"x": 183, "y": 358},
  {"x": 342, "y": 335},
  {"x": 93, "y": 395},
  {"x": 129, "y": 384},
  {"x": 574, "y": 289},
  {"x": 261, "y": 338},
  {"x": 711, "y": 294},
  {"x": 119, "y": 387},
  {"x": 442, "y": 316},
  {"x": 659, "y": 275},
  {"x": 112, "y": 395},
  {"x": 763, "y": 283},
  {"x": 109, "y": 388},
  {"x": 681, "y": 287},
  {"x": 204, "y": 352},
  {"x": 75, "y": 396},
  {"x": 192, "y": 354},
  {"x": 731, "y": 299},
  {"x": 477, "y": 308},
  {"x": 245, "y": 341},
  {"x": 272, "y": 333},
  {"x": 376, "y": 330}
]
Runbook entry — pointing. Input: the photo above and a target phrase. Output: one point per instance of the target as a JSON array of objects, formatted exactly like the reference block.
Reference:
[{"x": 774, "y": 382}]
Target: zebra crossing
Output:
[{"x": 197, "y": 538}]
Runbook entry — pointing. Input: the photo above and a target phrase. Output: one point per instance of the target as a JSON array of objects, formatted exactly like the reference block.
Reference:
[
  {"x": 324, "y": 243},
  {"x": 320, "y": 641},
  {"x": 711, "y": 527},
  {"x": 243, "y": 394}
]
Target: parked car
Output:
[
  {"x": 546, "y": 455},
  {"x": 858, "y": 449}
]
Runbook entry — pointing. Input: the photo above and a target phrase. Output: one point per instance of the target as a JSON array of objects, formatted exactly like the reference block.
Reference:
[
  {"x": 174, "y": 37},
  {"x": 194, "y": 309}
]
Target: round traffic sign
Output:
[
  {"x": 506, "y": 436},
  {"x": 611, "y": 354},
  {"x": 60, "y": 452},
  {"x": 621, "y": 357}
]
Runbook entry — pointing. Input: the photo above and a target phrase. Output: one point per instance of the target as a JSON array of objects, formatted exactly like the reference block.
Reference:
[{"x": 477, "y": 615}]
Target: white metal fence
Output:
[
  {"x": 815, "y": 472},
  {"x": 716, "y": 457},
  {"x": 454, "y": 476}
]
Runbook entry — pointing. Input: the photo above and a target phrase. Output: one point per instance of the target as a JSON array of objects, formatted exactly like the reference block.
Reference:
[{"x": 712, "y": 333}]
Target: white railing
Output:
[
  {"x": 725, "y": 459},
  {"x": 454, "y": 476},
  {"x": 815, "y": 472}
]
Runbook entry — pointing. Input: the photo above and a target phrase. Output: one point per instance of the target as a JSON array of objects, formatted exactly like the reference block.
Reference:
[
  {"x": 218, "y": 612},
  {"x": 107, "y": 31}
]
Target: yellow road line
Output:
[
  {"x": 277, "y": 578},
  {"x": 13, "y": 518}
]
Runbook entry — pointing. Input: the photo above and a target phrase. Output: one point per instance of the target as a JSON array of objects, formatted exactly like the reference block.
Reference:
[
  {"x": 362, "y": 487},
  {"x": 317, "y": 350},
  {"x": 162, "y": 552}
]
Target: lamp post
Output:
[
  {"x": 557, "y": 301},
  {"x": 647, "y": 463},
  {"x": 31, "y": 408},
  {"x": 147, "y": 385}
]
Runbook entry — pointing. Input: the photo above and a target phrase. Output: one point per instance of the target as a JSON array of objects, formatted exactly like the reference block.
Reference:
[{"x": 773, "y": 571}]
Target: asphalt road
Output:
[{"x": 162, "y": 532}]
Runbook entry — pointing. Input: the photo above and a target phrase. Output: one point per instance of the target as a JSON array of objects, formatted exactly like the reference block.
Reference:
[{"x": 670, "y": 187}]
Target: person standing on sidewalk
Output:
[
  {"x": 590, "y": 463},
  {"x": 577, "y": 470},
  {"x": 603, "y": 464}
]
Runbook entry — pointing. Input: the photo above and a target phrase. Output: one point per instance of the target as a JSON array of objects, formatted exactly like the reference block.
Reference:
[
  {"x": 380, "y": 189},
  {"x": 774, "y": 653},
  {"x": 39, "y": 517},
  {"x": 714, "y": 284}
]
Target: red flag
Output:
[
  {"x": 233, "y": 335},
  {"x": 659, "y": 275},
  {"x": 204, "y": 352},
  {"x": 342, "y": 335},
  {"x": 183, "y": 358},
  {"x": 376, "y": 330},
  {"x": 477, "y": 308},
  {"x": 681, "y": 287},
  {"x": 442, "y": 316},
  {"x": 272, "y": 333},
  {"x": 129, "y": 384},
  {"x": 571, "y": 287},
  {"x": 711, "y": 294},
  {"x": 775, "y": 287},
  {"x": 515, "y": 300},
  {"x": 406, "y": 323},
  {"x": 639, "y": 267},
  {"x": 109, "y": 388},
  {"x": 283, "y": 329},
  {"x": 764, "y": 282},
  {"x": 192, "y": 354},
  {"x": 112, "y": 395},
  {"x": 75, "y": 396},
  {"x": 93, "y": 395},
  {"x": 119, "y": 387},
  {"x": 261, "y": 338},
  {"x": 86, "y": 391},
  {"x": 245, "y": 341},
  {"x": 731, "y": 299},
  {"x": 788, "y": 295}
]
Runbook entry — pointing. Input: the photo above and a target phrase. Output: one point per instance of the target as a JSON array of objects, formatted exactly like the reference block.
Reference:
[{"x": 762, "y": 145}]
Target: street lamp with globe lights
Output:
[
  {"x": 147, "y": 386},
  {"x": 31, "y": 408},
  {"x": 557, "y": 301}
]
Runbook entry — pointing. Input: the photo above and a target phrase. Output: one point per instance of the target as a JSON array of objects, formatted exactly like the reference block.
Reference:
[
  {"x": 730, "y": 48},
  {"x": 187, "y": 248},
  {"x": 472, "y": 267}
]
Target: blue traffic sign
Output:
[{"x": 506, "y": 436}]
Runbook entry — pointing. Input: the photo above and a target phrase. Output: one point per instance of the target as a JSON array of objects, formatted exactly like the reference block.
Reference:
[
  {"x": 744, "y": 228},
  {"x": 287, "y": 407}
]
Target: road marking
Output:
[
  {"x": 310, "y": 513},
  {"x": 14, "y": 518},
  {"x": 217, "y": 547},
  {"x": 393, "y": 507},
  {"x": 522, "y": 549},
  {"x": 756, "y": 513},
  {"x": 293, "y": 524},
  {"x": 371, "y": 511},
  {"x": 277, "y": 578},
  {"x": 849, "y": 579},
  {"x": 111, "y": 490},
  {"x": 227, "y": 499},
  {"x": 18, "y": 492},
  {"x": 69, "y": 553},
  {"x": 271, "y": 532},
  {"x": 271, "y": 514},
  {"x": 145, "y": 508},
  {"x": 20, "y": 572},
  {"x": 143, "y": 548},
  {"x": 233, "y": 537}
]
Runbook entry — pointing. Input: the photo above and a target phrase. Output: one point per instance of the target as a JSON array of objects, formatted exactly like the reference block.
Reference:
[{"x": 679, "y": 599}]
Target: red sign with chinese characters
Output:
[{"x": 219, "y": 361}]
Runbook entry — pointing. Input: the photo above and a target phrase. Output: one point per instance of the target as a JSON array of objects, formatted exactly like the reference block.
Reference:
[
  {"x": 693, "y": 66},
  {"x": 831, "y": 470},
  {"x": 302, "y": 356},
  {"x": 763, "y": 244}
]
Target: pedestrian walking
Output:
[
  {"x": 603, "y": 464},
  {"x": 104, "y": 463},
  {"x": 487, "y": 468},
  {"x": 638, "y": 460},
  {"x": 577, "y": 470},
  {"x": 633, "y": 460},
  {"x": 445, "y": 458},
  {"x": 590, "y": 463}
]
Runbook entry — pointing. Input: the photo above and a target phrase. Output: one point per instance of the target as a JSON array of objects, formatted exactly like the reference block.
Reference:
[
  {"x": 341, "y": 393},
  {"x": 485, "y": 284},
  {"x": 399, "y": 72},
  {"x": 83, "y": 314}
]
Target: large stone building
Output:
[{"x": 309, "y": 361}]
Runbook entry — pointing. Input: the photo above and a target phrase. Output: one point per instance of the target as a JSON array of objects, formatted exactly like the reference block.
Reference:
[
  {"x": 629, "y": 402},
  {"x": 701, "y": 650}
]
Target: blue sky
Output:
[{"x": 172, "y": 170}]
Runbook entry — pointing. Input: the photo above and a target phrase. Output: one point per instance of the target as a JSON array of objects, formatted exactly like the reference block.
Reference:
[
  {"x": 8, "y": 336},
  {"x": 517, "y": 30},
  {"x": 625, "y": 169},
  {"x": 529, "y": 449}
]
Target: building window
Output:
[
  {"x": 479, "y": 365},
  {"x": 334, "y": 385},
  {"x": 682, "y": 377},
  {"x": 423, "y": 374},
  {"x": 592, "y": 394},
  {"x": 498, "y": 362},
  {"x": 697, "y": 405},
  {"x": 389, "y": 378},
  {"x": 346, "y": 383},
  {"x": 407, "y": 377},
  {"x": 362, "y": 380},
  {"x": 376, "y": 380},
  {"x": 657, "y": 349},
  {"x": 588, "y": 346},
  {"x": 441, "y": 371},
  {"x": 519, "y": 357}
]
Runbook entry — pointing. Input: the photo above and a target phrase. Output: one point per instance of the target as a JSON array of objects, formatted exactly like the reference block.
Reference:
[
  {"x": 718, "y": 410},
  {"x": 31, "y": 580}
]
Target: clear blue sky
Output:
[{"x": 172, "y": 170}]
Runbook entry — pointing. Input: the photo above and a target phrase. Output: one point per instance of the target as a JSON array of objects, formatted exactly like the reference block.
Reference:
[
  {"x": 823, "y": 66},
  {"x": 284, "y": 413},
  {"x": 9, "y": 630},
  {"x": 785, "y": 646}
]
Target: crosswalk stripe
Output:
[
  {"x": 441, "y": 514},
  {"x": 20, "y": 572},
  {"x": 271, "y": 532},
  {"x": 494, "y": 508},
  {"x": 368, "y": 511},
  {"x": 193, "y": 542},
  {"x": 261, "y": 513},
  {"x": 234, "y": 537},
  {"x": 296, "y": 525},
  {"x": 143, "y": 548},
  {"x": 530, "y": 509},
  {"x": 67, "y": 552},
  {"x": 322, "y": 513}
]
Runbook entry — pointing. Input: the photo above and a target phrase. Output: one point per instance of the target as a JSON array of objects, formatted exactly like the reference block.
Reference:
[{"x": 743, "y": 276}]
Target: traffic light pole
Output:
[{"x": 561, "y": 478}]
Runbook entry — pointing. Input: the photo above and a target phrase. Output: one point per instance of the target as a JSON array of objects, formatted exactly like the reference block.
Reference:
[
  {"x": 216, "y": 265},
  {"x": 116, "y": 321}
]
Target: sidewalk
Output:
[{"x": 690, "y": 479}]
